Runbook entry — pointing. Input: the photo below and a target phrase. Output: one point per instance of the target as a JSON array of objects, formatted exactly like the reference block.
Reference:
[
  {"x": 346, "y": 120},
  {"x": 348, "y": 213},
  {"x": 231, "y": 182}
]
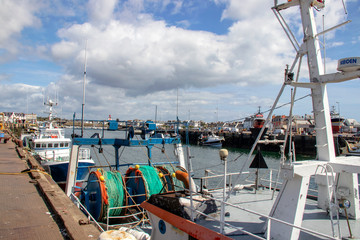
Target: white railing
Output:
[
  {"x": 271, "y": 183},
  {"x": 268, "y": 178},
  {"x": 269, "y": 219},
  {"x": 135, "y": 215}
]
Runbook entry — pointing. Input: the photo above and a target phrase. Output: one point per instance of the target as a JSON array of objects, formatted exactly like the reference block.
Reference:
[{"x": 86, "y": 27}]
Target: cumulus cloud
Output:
[
  {"x": 14, "y": 17},
  {"x": 147, "y": 55},
  {"x": 136, "y": 60},
  {"x": 30, "y": 101},
  {"x": 101, "y": 12}
]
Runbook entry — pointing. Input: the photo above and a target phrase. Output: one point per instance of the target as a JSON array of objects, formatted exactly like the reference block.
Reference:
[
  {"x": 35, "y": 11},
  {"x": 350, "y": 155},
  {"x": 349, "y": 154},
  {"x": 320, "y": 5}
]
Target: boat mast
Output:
[
  {"x": 177, "y": 104},
  {"x": 83, "y": 103},
  {"x": 324, "y": 135}
]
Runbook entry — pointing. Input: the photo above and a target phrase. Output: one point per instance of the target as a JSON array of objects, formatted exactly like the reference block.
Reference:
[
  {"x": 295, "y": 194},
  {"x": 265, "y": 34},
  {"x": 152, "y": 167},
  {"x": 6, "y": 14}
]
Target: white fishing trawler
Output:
[
  {"x": 247, "y": 212},
  {"x": 279, "y": 208},
  {"x": 53, "y": 150}
]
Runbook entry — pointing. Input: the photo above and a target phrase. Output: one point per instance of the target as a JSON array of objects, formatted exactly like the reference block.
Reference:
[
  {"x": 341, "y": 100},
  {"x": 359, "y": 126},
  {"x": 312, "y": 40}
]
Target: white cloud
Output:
[
  {"x": 30, "y": 101},
  {"x": 101, "y": 12},
  {"x": 240, "y": 10},
  {"x": 135, "y": 61},
  {"x": 14, "y": 17},
  {"x": 332, "y": 15},
  {"x": 146, "y": 55}
]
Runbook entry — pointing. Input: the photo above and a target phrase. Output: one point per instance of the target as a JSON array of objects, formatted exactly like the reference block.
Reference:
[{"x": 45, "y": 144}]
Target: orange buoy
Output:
[{"x": 184, "y": 177}]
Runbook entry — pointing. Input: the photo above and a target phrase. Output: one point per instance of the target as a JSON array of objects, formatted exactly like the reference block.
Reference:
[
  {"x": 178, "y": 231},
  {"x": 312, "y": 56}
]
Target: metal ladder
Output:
[{"x": 333, "y": 203}]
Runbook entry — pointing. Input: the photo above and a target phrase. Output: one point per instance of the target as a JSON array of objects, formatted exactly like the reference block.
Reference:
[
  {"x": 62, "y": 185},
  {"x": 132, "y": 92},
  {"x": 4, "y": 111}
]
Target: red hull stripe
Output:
[{"x": 189, "y": 227}]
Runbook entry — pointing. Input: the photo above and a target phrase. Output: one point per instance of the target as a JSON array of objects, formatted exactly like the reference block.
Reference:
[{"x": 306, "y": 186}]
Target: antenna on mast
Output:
[
  {"x": 344, "y": 6},
  {"x": 83, "y": 103},
  {"x": 43, "y": 93},
  {"x": 155, "y": 113},
  {"x": 177, "y": 103},
  {"x": 324, "y": 46}
]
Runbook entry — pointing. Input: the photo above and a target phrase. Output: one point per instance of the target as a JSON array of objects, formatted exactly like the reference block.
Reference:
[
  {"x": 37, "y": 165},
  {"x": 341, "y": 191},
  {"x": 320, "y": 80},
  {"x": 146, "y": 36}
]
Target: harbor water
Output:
[{"x": 203, "y": 159}]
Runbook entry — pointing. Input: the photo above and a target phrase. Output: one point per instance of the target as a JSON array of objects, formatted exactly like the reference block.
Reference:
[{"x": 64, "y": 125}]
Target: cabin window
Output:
[
  {"x": 56, "y": 145},
  {"x": 43, "y": 145},
  {"x": 61, "y": 144},
  {"x": 38, "y": 145},
  {"x": 50, "y": 145},
  {"x": 66, "y": 144}
]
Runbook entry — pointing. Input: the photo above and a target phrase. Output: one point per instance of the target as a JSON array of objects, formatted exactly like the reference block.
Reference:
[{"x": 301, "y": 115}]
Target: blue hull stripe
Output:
[{"x": 59, "y": 171}]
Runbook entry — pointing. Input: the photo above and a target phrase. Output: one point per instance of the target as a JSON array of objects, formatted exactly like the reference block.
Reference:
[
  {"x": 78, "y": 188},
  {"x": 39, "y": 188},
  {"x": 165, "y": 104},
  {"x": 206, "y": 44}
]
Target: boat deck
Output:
[
  {"x": 28, "y": 211},
  {"x": 314, "y": 218}
]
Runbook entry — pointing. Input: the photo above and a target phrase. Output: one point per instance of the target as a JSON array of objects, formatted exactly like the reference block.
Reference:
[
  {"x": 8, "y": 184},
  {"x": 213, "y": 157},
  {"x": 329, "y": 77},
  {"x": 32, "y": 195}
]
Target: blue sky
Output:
[{"x": 223, "y": 58}]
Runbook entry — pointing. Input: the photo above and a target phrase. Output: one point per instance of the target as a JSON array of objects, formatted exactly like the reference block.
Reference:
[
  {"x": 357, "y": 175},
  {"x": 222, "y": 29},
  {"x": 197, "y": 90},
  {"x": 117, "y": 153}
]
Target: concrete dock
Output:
[{"x": 32, "y": 205}]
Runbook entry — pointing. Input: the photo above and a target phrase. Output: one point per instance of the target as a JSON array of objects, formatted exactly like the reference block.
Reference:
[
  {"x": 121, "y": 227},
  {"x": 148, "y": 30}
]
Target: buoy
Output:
[
  {"x": 137, "y": 167},
  {"x": 102, "y": 178},
  {"x": 184, "y": 177}
]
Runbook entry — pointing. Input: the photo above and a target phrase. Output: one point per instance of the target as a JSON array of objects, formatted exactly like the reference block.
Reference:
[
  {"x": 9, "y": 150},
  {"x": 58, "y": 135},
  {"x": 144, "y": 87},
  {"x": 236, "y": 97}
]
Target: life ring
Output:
[{"x": 184, "y": 177}]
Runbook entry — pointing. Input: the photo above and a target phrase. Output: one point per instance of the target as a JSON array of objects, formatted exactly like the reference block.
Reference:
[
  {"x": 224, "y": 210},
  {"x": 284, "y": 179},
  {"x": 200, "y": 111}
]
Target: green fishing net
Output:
[
  {"x": 115, "y": 191},
  {"x": 152, "y": 180}
]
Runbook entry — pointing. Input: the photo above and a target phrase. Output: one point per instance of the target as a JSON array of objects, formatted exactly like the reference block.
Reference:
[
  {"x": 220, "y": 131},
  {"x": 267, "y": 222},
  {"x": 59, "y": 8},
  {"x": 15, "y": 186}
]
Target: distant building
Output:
[
  {"x": 232, "y": 127},
  {"x": 299, "y": 125},
  {"x": 279, "y": 122},
  {"x": 194, "y": 124},
  {"x": 13, "y": 117},
  {"x": 31, "y": 118},
  {"x": 303, "y": 125},
  {"x": 351, "y": 125}
]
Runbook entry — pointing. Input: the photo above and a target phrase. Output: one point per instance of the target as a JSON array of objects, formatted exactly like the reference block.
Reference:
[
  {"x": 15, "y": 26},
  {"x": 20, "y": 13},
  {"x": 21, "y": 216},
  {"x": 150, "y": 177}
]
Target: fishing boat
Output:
[
  {"x": 255, "y": 123},
  {"x": 115, "y": 189},
  {"x": 52, "y": 149},
  {"x": 337, "y": 121},
  {"x": 282, "y": 209},
  {"x": 278, "y": 207},
  {"x": 211, "y": 139}
]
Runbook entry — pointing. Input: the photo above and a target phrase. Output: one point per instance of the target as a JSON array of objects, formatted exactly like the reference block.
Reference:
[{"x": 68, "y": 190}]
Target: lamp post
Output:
[{"x": 223, "y": 155}]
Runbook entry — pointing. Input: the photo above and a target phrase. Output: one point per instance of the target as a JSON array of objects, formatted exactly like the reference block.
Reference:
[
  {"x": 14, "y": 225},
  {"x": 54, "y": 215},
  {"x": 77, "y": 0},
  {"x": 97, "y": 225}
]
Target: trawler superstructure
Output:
[
  {"x": 336, "y": 177},
  {"x": 53, "y": 149},
  {"x": 246, "y": 210}
]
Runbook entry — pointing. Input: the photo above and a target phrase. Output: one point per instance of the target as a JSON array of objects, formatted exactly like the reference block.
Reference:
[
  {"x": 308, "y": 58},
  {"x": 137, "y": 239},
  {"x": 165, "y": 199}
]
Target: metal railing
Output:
[
  {"x": 135, "y": 215},
  {"x": 204, "y": 181},
  {"x": 83, "y": 208},
  {"x": 269, "y": 185},
  {"x": 269, "y": 220}
]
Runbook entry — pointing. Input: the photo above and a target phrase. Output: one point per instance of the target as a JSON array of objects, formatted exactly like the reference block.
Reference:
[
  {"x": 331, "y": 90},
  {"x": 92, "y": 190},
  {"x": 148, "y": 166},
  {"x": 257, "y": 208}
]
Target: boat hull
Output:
[
  {"x": 212, "y": 144},
  {"x": 59, "y": 170},
  {"x": 211, "y": 141},
  {"x": 256, "y": 131}
]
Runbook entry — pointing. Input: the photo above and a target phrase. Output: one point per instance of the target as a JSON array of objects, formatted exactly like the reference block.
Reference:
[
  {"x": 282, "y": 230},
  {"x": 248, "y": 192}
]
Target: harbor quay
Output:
[
  {"x": 32, "y": 205},
  {"x": 304, "y": 144}
]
